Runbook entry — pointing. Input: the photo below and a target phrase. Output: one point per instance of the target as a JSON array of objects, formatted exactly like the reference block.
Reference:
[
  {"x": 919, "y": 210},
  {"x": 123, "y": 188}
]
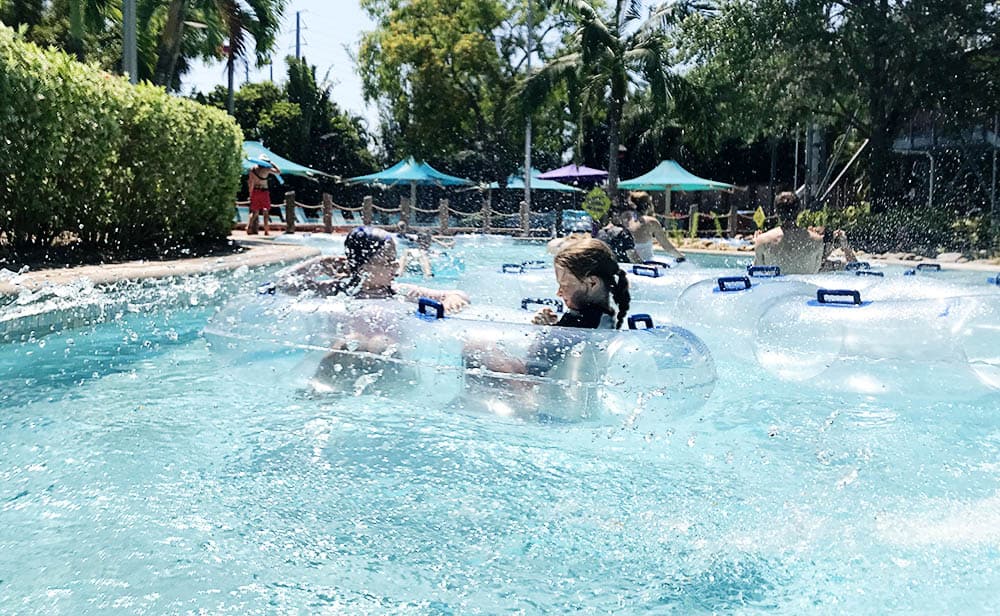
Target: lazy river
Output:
[{"x": 146, "y": 472}]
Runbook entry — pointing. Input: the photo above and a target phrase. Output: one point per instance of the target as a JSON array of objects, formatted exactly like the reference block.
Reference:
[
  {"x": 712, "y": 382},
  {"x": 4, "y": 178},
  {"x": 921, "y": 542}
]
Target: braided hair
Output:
[{"x": 592, "y": 257}]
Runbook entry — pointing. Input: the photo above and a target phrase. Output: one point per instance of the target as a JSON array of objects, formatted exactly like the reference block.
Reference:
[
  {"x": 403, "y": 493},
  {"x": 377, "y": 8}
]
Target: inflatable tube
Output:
[
  {"x": 490, "y": 359},
  {"x": 731, "y": 305},
  {"x": 839, "y": 339}
]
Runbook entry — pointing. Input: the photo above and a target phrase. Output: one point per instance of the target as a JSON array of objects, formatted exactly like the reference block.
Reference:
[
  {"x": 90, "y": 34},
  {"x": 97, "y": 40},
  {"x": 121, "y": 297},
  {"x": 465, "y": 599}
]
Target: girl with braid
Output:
[{"x": 589, "y": 280}]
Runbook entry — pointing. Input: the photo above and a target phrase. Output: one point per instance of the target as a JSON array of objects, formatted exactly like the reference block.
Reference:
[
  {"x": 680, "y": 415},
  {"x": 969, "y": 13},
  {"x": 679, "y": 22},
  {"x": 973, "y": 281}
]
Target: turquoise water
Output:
[{"x": 145, "y": 473}]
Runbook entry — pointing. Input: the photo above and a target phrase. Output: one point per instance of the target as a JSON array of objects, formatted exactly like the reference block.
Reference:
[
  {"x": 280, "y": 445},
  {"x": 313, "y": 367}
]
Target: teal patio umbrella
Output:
[
  {"x": 669, "y": 176},
  {"x": 253, "y": 150},
  {"x": 413, "y": 173}
]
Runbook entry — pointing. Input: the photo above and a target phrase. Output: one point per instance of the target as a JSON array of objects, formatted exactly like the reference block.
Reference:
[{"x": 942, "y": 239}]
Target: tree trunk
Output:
[
  {"x": 614, "y": 122},
  {"x": 170, "y": 44}
]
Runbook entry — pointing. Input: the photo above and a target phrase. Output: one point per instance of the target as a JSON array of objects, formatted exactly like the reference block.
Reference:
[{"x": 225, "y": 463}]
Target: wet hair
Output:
[
  {"x": 786, "y": 206},
  {"x": 591, "y": 257},
  {"x": 641, "y": 200},
  {"x": 360, "y": 246}
]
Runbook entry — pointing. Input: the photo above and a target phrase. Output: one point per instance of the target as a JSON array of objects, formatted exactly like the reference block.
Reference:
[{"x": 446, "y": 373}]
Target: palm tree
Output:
[
  {"x": 231, "y": 22},
  {"x": 614, "y": 55}
]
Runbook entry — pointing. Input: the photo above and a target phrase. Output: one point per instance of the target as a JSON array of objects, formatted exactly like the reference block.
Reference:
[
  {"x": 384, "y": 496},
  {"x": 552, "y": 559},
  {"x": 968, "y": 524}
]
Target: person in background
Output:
[
  {"x": 618, "y": 237},
  {"x": 832, "y": 240},
  {"x": 794, "y": 249},
  {"x": 260, "y": 195},
  {"x": 418, "y": 249},
  {"x": 645, "y": 228}
]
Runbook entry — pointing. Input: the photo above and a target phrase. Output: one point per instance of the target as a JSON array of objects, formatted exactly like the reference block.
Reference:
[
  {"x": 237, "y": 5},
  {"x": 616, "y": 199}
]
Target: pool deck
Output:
[
  {"x": 262, "y": 250},
  {"x": 258, "y": 251}
]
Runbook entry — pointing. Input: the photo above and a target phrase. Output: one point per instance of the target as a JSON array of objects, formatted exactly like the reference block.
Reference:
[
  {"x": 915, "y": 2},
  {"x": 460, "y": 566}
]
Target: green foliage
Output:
[
  {"x": 114, "y": 165},
  {"x": 300, "y": 121}
]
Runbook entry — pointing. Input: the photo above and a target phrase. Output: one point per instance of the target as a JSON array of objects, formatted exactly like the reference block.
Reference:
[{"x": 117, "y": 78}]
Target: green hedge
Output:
[{"x": 85, "y": 156}]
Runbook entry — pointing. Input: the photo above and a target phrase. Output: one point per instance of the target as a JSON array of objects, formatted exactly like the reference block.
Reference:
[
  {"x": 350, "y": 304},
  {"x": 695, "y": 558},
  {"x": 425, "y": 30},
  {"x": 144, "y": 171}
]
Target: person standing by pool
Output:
[
  {"x": 367, "y": 271},
  {"x": 794, "y": 249},
  {"x": 260, "y": 194},
  {"x": 645, "y": 228}
]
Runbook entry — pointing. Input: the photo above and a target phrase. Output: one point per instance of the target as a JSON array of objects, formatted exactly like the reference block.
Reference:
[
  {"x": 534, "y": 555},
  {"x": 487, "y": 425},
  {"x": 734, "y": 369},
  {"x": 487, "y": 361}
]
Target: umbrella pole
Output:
[{"x": 413, "y": 197}]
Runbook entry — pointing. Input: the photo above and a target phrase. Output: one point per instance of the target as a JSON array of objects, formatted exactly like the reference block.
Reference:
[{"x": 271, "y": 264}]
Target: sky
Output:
[{"x": 328, "y": 29}]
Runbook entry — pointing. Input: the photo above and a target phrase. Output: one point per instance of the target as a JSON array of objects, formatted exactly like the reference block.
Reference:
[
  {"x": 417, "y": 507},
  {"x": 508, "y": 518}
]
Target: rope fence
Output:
[{"x": 484, "y": 220}]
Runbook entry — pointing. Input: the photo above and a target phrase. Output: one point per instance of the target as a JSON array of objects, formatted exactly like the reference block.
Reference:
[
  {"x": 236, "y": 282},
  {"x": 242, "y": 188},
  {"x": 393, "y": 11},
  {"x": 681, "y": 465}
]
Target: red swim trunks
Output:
[{"x": 260, "y": 200}]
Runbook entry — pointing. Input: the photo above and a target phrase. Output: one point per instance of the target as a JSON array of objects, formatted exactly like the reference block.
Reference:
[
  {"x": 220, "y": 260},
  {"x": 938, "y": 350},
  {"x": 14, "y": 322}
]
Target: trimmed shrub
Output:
[{"x": 86, "y": 155}]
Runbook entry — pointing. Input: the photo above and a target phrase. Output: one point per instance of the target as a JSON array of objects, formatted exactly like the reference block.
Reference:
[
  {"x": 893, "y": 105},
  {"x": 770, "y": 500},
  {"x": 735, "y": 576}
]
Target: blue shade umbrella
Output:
[
  {"x": 516, "y": 182},
  {"x": 254, "y": 150},
  {"x": 411, "y": 172},
  {"x": 669, "y": 176}
]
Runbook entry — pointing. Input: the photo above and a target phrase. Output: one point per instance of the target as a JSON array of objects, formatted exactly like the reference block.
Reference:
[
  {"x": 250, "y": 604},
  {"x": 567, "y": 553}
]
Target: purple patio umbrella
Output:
[{"x": 575, "y": 174}]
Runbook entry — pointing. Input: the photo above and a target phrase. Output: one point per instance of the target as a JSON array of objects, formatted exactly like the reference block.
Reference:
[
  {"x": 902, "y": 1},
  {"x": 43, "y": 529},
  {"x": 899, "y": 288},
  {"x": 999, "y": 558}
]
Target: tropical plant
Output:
[{"x": 611, "y": 57}]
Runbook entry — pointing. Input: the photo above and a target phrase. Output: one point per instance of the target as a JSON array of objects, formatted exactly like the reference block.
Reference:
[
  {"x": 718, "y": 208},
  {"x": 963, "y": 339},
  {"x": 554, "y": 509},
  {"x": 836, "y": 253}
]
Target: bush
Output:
[{"x": 113, "y": 166}]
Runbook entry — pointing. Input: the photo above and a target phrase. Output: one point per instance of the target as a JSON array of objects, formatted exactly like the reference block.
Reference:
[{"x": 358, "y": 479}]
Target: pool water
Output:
[{"x": 145, "y": 473}]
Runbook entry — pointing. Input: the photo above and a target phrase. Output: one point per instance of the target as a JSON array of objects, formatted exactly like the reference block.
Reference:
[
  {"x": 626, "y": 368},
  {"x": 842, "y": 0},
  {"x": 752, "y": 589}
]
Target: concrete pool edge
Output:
[
  {"x": 266, "y": 251},
  {"x": 263, "y": 251}
]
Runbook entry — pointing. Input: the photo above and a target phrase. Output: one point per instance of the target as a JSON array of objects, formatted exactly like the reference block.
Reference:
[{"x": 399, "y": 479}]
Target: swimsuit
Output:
[
  {"x": 644, "y": 250},
  {"x": 619, "y": 239},
  {"x": 260, "y": 198}
]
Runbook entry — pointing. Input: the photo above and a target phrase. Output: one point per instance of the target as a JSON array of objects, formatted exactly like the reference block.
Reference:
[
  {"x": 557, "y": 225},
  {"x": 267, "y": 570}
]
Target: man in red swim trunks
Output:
[{"x": 260, "y": 196}]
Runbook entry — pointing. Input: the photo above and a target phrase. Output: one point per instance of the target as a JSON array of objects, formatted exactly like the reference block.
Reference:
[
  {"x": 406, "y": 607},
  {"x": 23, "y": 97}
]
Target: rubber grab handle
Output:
[
  {"x": 534, "y": 264},
  {"x": 995, "y": 281},
  {"x": 651, "y": 271},
  {"x": 662, "y": 264},
  {"x": 869, "y": 273},
  {"x": 425, "y": 302},
  {"x": 741, "y": 283},
  {"x": 763, "y": 271},
  {"x": 857, "y": 265},
  {"x": 929, "y": 267},
  {"x": 635, "y": 319},
  {"x": 512, "y": 268},
  {"x": 542, "y": 301},
  {"x": 823, "y": 295}
]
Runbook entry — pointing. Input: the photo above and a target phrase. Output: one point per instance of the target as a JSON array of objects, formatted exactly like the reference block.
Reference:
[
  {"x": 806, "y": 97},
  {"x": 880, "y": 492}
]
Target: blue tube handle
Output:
[
  {"x": 763, "y": 271},
  {"x": 857, "y": 265},
  {"x": 662, "y": 264},
  {"x": 512, "y": 268},
  {"x": 742, "y": 281},
  {"x": 651, "y": 271},
  {"x": 425, "y": 302},
  {"x": 542, "y": 301},
  {"x": 635, "y": 319},
  {"x": 862, "y": 272},
  {"x": 928, "y": 267},
  {"x": 995, "y": 280},
  {"x": 822, "y": 296},
  {"x": 268, "y": 288},
  {"x": 534, "y": 264}
]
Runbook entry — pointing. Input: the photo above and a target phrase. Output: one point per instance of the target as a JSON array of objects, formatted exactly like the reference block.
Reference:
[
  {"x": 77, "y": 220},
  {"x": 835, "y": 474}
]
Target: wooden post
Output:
[
  {"x": 327, "y": 213},
  {"x": 488, "y": 213},
  {"x": 732, "y": 214},
  {"x": 559, "y": 218},
  {"x": 290, "y": 212},
  {"x": 367, "y": 204},
  {"x": 443, "y": 214},
  {"x": 525, "y": 219},
  {"x": 404, "y": 211}
]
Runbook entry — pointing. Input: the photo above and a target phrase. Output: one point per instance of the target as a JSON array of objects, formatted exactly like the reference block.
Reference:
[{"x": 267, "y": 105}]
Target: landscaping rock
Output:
[{"x": 950, "y": 257}]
